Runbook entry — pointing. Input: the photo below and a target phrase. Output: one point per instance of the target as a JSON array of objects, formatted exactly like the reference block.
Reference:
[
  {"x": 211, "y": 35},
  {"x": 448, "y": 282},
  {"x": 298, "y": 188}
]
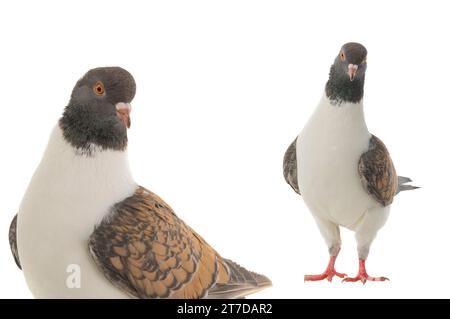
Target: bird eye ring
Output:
[
  {"x": 99, "y": 89},
  {"x": 342, "y": 56}
]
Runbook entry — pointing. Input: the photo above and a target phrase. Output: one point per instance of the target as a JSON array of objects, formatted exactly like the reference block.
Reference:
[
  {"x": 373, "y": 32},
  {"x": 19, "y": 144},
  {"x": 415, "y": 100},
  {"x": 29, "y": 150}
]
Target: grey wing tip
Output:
[
  {"x": 290, "y": 166},
  {"x": 407, "y": 187},
  {"x": 13, "y": 241},
  {"x": 242, "y": 282},
  {"x": 16, "y": 259},
  {"x": 243, "y": 275},
  {"x": 401, "y": 184},
  {"x": 404, "y": 180}
]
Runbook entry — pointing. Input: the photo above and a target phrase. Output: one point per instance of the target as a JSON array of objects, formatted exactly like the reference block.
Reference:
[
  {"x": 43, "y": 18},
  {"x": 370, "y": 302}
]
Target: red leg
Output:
[
  {"x": 329, "y": 273},
  {"x": 362, "y": 274}
]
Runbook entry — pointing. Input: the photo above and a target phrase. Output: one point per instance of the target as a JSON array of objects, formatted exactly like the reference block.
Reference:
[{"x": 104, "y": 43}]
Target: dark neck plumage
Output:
[
  {"x": 339, "y": 89},
  {"x": 83, "y": 132}
]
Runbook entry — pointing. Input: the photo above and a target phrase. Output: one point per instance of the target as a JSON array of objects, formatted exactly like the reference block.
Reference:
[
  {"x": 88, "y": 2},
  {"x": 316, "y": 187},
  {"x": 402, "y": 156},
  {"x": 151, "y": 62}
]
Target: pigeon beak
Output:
[
  {"x": 123, "y": 113},
  {"x": 352, "y": 68}
]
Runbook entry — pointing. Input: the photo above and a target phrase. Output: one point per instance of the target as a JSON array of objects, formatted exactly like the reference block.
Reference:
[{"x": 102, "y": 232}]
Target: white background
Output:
[{"x": 223, "y": 89}]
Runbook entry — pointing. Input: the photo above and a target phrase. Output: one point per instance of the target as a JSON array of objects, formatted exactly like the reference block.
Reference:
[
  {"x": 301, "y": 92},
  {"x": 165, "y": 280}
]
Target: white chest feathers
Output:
[
  {"x": 328, "y": 151},
  {"x": 67, "y": 196}
]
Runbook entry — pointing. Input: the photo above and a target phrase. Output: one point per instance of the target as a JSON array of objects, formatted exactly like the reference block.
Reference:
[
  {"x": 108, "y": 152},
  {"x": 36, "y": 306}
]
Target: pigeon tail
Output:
[{"x": 401, "y": 184}]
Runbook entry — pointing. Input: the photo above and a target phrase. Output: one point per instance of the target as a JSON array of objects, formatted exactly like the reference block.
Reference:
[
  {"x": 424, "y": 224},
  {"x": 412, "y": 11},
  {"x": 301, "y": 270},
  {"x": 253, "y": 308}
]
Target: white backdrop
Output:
[{"x": 223, "y": 89}]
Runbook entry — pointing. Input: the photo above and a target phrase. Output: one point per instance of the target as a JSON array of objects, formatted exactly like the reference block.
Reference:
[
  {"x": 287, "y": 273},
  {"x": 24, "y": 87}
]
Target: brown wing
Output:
[
  {"x": 145, "y": 249},
  {"x": 377, "y": 172},
  {"x": 13, "y": 240},
  {"x": 290, "y": 166}
]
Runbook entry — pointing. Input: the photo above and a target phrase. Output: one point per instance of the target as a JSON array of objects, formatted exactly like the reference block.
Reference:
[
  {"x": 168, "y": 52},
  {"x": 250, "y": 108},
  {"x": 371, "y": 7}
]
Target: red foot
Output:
[
  {"x": 363, "y": 276},
  {"x": 329, "y": 273}
]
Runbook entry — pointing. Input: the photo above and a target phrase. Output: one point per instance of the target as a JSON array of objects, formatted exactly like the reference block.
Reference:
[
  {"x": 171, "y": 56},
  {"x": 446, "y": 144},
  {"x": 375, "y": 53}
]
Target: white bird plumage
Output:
[
  {"x": 69, "y": 194},
  {"x": 328, "y": 150}
]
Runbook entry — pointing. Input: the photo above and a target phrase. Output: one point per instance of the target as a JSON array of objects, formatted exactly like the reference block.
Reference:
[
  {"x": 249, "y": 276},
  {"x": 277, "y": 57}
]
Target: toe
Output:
[
  {"x": 377, "y": 278},
  {"x": 364, "y": 279},
  {"x": 350, "y": 279},
  {"x": 340, "y": 275},
  {"x": 314, "y": 277}
]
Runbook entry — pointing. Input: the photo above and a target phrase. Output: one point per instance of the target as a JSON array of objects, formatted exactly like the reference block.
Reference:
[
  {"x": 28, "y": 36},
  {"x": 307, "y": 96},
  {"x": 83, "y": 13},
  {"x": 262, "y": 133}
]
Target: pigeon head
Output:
[
  {"x": 98, "y": 113},
  {"x": 346, "y": 81}
]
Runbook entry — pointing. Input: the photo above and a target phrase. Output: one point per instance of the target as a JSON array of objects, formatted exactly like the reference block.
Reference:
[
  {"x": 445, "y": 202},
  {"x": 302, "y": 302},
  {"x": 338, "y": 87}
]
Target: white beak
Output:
[
  {"x": 122, "y": 106},
  {"x": 123, "y": 113}
]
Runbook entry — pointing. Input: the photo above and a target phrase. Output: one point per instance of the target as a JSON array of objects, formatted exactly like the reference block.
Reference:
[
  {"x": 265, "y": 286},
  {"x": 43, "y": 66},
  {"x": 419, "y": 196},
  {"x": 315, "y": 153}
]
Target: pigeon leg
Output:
[
  {"x": 362, "y": 275},
  {"x": 328, "y": 274},
  {"x": 366, "y": 232},
  {"x": 330, "y": 232}
]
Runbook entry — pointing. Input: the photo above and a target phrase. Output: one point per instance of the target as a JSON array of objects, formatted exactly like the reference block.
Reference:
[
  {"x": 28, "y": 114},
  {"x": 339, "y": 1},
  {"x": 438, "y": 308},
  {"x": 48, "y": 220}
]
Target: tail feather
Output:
[{"x": 402, "y": 180}]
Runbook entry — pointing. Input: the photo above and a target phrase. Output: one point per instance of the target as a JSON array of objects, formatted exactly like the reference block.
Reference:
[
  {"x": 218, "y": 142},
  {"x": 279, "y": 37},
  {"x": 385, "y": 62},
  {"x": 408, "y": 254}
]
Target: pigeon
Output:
[
  {"x": 86, "y": 229},
  {"x": 343, "y": 172}
]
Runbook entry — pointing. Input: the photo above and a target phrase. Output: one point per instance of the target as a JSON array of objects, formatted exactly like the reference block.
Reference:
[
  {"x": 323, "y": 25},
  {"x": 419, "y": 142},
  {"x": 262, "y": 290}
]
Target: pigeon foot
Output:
[
  {"x": 363, "y": 276},
  {"x": 328, "y": 274}
]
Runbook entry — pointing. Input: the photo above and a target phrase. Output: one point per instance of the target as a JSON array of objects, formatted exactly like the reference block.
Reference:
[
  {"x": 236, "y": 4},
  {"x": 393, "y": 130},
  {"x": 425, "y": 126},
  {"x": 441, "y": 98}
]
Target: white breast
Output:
[
  {"x": 328, "y": 151},
  {"x": 68, "y": 194}
]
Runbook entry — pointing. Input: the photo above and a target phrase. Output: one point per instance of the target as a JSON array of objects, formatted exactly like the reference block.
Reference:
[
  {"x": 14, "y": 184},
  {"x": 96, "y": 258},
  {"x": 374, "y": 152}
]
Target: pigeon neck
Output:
[
  {"x": 339, "y": 89},
  {"x": 85, "y": 133}
]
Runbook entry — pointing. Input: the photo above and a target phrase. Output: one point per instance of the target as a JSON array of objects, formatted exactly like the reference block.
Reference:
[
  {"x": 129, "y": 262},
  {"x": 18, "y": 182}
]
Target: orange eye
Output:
[
  {"x": 342, "y": 56},
  {"x": 99, "y": 89}
]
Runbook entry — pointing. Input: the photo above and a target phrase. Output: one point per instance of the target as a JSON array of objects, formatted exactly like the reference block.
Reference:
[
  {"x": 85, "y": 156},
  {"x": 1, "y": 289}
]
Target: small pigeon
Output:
[
  {"x": 344, "y": 174},
  {"x": 85, "y": 229}
]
